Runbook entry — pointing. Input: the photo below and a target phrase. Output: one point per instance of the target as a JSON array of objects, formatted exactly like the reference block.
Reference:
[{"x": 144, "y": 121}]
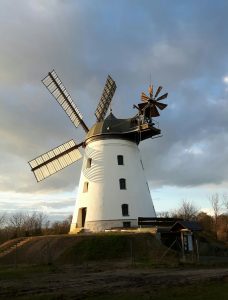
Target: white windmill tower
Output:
[{"x": 113, "y": 190}]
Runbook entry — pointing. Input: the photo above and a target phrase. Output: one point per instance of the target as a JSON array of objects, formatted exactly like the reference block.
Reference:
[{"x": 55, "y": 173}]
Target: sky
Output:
[{"x": 181, "y": 45}]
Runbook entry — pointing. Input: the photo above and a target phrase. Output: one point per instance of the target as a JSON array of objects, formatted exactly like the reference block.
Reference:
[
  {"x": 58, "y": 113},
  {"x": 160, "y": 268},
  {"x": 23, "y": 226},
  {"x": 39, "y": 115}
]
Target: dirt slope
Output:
[{"x": 80, "y": 248}]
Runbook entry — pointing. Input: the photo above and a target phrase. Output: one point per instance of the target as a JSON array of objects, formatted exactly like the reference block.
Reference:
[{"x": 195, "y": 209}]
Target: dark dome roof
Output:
[{"x": 112, "y": 126}]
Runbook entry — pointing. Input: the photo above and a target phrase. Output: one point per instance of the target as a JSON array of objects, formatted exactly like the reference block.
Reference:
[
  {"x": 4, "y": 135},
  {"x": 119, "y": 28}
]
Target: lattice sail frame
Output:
[
  {"x": 59, "y": 92},
  {"x": 106, "y": 98},
  {"x": 55, "y": 160}
]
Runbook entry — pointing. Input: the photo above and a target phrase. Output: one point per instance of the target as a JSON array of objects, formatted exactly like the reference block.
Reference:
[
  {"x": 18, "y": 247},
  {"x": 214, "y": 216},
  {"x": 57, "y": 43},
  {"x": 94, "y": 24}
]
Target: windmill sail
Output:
[
  {"x": 106, "y": 98},
  {"x": 55, "y": 160},
  {"x": 59, "y": 92}
]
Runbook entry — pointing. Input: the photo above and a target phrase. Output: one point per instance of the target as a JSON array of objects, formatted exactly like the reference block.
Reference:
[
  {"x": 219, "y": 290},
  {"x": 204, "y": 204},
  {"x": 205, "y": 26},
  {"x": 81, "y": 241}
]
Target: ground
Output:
[
  {"x": 108, "y": 282},
  {"x": 107, "y": 267}
]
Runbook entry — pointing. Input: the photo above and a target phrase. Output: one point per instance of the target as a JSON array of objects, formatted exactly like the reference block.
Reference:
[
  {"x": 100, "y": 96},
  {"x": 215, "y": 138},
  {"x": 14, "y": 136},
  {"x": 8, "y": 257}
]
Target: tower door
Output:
[{"x": 83, "y": 216}]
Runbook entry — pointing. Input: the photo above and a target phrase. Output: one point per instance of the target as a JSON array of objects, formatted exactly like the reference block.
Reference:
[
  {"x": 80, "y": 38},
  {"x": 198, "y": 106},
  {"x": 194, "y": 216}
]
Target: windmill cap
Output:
[{"x": 112, "y": 127}]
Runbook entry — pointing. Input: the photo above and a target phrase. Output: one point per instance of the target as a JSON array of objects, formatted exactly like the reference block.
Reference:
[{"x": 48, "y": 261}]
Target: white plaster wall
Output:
[{"x": 104, "y": 197}]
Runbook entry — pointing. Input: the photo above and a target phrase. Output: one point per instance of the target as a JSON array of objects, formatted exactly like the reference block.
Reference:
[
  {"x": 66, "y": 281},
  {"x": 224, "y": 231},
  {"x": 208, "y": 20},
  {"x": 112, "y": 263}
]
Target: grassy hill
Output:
[{"x": 76, "y": 249}]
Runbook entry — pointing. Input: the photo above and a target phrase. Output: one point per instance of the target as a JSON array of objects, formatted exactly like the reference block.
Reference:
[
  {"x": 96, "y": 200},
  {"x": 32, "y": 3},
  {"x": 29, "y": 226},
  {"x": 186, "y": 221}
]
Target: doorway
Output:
[{"x": 81, "y": 217}]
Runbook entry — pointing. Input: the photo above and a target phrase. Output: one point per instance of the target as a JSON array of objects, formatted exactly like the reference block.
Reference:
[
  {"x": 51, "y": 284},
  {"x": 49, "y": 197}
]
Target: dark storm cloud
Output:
[{"x": 184, "y": 47}]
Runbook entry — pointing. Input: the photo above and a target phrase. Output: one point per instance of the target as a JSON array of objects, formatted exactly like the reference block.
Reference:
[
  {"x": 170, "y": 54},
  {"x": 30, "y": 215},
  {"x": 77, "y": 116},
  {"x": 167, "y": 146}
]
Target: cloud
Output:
[
  {"x": 53, "y": 205},
  {"x": 184, "y": 47},
  {"x": 225, "y": 79}
]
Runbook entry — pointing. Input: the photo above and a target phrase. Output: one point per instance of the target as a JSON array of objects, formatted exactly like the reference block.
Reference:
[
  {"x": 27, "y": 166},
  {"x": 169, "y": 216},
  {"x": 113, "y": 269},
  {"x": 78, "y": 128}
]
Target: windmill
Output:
[{"x": 113, "y": 190}]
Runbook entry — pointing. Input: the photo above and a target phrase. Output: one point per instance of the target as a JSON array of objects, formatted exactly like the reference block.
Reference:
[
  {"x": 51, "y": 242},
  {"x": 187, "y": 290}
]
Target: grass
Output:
[
  {"x": 110, "y": 246},
  {"x": 27, "y": 271},
  {"x": 96, "y": 248},
  {"x": 140, "y": 248},
  {"x": 208, "y": 291},
  {"x": 213, "y": 290}
]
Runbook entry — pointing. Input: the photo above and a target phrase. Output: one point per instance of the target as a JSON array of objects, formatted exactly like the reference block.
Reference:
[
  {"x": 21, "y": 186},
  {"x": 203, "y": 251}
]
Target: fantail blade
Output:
[
  {"x": 154, "y": 111},
  {"x": 158, "y": 91},
  {"x": 144, "y": 97},
  {"x": 162, "y": 97},
  {"x": 150, "y": 90},
  {"x": 161, "y": 106}
]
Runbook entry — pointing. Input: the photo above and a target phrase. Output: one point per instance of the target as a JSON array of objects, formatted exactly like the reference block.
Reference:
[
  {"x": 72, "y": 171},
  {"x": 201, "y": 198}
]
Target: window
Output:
[
  {"x": 85, "y": 187},
  {"x": 88, "y": 163},
  {"x": 126, "y": 224},
  {"x": 122, "y": 183},
  {"x": 120, "y": 159},
  {"x": 125, "y": 209}
]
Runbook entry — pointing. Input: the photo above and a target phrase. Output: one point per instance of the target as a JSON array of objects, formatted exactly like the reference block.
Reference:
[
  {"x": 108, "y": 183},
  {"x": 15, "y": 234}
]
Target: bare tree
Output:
[
  {"x": 164, "y": 214},
  {"x": 39, "y": 221},
  {"x": 61, "y": 227},
  {"x": 225, "y": 203},
  {"x": 186, "y": 211},
  {"x": 16, "y": 222},
  {"x": 33, "y": 223},
  {"x": 26, "y": 224},
  {"x": 206, "y": 221},
  {"x": 2, "y": 220},
  {"x": 216, "y": 206}
]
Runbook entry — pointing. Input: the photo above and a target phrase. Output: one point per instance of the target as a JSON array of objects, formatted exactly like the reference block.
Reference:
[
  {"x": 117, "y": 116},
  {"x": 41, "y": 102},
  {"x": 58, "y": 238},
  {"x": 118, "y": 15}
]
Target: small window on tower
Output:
[
  {"x": 85, "y": 187},
  {"x": 120, "y": 159},
  {"x": 125, "y": 209},
  {"x": 122, "y": 183},
  {"x": 88, "y": 163}
]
